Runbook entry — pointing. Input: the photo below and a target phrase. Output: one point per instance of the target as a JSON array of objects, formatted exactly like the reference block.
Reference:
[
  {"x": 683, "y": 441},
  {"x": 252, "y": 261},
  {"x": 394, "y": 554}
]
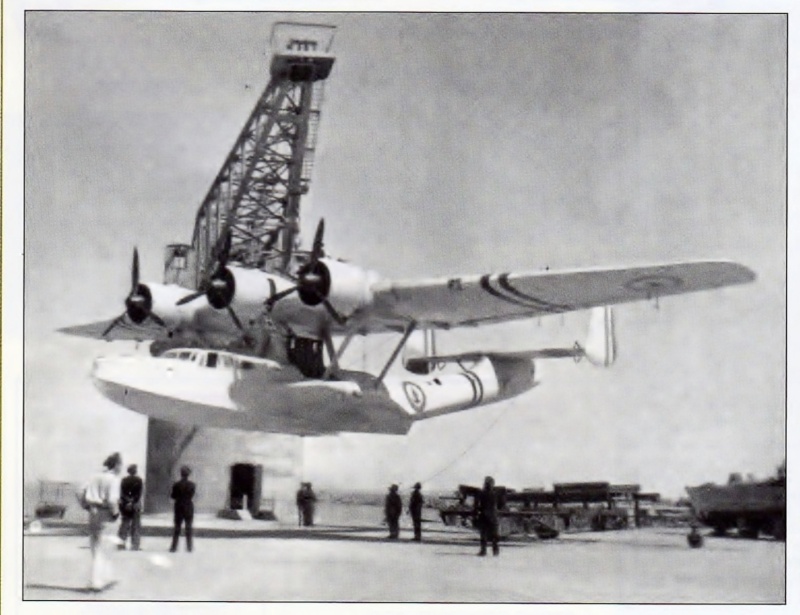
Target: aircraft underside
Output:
[{"x": 303, "y": 411}]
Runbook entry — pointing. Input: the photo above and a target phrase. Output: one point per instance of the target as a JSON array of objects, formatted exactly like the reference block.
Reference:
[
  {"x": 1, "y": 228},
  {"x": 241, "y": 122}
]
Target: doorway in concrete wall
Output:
[{"x": 245, "y": 487}]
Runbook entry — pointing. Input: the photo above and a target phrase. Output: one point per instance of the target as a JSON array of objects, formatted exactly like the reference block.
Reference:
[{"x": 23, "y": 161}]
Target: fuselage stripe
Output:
[
  {"x": 479, "y": 383},
  {"x": 472, "y": 384},
  {"x": 475, "y": 381}
]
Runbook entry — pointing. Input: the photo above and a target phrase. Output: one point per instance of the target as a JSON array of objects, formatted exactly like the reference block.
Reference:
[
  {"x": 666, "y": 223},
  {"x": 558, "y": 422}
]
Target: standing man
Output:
[
  {"x": 130, "y": 509},
  {"x": 486, "y": 516},
  {"x": 182, "y": 493},
  {"x": 300, "y": 500},
  {"x": 309, "y": 505},
  {"x": 100, "y": 498},
  {"x": 393, "y": 507},
  {"x": 415, "y": 509}
]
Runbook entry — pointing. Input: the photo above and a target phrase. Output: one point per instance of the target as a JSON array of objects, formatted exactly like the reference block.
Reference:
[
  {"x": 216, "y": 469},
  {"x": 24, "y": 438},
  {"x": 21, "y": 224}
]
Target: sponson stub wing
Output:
[{"x": 484, "y": 299}]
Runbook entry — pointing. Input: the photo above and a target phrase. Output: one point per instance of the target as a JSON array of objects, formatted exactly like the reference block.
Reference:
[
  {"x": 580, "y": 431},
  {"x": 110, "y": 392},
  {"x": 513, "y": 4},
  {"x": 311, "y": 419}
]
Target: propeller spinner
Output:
[
  {"x": 313, "y": 280},
  {"x": 220, "y": 286},
  {"x": 138, "y": 303}
]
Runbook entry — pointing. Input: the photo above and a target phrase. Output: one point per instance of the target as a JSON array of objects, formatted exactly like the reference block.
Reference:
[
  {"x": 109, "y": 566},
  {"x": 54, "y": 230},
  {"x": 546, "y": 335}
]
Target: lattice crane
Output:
[{"x": 256, "y": 194}]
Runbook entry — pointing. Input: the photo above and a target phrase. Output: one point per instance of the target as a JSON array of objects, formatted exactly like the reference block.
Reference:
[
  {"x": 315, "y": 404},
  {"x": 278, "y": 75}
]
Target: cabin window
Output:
[
  {"x": 246, "y": 365},
  {"x": 211, "y": 359},
  {"x": 185, "y": 356},
  {"x": 226, "y": 360}
]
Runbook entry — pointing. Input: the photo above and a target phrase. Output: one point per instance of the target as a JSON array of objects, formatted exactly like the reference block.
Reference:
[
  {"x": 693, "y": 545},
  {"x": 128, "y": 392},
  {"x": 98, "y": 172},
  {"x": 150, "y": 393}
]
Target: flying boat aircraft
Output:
[
  {"x": 214, "y": 388},
  {"x": 246, "y": 348}
]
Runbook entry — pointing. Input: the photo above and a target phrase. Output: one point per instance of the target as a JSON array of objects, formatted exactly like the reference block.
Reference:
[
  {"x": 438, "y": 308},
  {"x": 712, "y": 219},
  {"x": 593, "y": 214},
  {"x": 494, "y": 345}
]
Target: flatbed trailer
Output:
[{"x": 568, "y": 507}]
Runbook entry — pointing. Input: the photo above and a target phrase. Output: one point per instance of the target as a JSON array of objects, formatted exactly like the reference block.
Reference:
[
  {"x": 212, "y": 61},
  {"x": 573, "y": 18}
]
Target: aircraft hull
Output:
[
  {"x": 257, "y": 400},
  {"x": 278, "y": 399}
]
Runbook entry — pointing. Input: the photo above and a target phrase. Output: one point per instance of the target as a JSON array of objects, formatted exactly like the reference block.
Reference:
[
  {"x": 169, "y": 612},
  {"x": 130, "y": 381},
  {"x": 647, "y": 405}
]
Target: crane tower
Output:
[
  {"x": 256, "y": 198},
  {"x": 256, "y": 194}
]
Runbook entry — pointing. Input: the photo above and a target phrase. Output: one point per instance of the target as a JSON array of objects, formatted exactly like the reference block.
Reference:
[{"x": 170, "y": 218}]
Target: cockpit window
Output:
[
  {"x": 185, "y": 355},
  {"x": 211, "y": 359},
  {"x": 246, "y": 365},
  {"x": 226, "y": 360}
]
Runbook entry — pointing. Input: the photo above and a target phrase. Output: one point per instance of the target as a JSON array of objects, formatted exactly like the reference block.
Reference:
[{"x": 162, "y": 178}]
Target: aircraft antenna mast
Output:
[{"x": 257, "y": 192}]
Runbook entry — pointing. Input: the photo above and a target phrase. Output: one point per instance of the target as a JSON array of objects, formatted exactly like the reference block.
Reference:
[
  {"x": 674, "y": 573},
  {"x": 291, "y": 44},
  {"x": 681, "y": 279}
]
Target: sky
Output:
[{"x": 449, "y": 144}]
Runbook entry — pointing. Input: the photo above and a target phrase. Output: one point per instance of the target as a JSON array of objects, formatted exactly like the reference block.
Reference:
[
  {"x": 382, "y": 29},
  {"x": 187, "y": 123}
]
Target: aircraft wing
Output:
[
  {"x": 483, "y": 299},
  {"x": 124, "y": 330}
]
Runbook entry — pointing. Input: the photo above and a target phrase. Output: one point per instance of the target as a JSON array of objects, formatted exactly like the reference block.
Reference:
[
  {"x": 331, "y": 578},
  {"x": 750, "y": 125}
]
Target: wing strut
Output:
[
  {"x": 335, "y": 355},
  {"x": 409, "y": 330}
]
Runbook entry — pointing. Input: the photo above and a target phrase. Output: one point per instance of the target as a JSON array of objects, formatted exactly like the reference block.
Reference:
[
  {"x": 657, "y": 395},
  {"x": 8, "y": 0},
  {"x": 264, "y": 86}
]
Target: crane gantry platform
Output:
[{"x": 256, "y": 195}]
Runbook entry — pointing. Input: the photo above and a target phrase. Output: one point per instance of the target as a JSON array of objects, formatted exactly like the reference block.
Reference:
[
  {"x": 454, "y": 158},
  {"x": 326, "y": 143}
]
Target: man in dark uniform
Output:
[
  {"x": 182, "y": 493},
  {"x": 415, "y": 509},
  {"x": 306, "y": 503},
  {"x": 393, "y": 507},
  {"x": 300, "y": 501},
  {"x": 486, "y": 516},
  {"x": 130, "y": 508},
  {"x": 309, "y": 505}
]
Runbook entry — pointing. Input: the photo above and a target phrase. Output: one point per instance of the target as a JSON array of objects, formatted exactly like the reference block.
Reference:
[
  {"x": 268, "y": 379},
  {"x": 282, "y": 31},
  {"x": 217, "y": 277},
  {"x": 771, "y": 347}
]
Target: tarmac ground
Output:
[{"x": 260, "y": 561}]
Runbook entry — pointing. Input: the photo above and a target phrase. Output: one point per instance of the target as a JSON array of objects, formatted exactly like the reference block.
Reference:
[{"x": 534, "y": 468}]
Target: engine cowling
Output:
[
  {"x": 162, "y": 299},
  {"x": 347, "y": 287}
]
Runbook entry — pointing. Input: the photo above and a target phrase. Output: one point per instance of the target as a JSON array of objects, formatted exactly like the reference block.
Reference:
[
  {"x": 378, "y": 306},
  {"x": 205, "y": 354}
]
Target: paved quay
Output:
[{"x": 254, "y": 561}]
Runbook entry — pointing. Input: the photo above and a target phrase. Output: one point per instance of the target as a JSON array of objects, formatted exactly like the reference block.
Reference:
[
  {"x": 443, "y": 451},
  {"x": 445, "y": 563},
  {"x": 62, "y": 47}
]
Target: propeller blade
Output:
[
  {"x": 113, "y": 324},
  {"x": 235, "y": 318},
  {"x": 157, "y": 319},
  {"x": 334, "y": 314},
  {"x": 317, "y": 250},
  {"x": 135, "y": 271},
  {"x": 225, "y": 249},
  {"x": 272, "y": 288},
  {"x": 277, "y": 297},
  {"x": 191, "y": 297},
  {"x": 271, "y": 240}
]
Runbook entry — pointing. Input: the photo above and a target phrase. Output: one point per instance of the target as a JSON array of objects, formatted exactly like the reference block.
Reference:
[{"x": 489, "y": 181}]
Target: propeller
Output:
[
  {"x": 220, "y": 286},
  {"x": 138, "y": 303},
  {"x": 313, "y": 280}
]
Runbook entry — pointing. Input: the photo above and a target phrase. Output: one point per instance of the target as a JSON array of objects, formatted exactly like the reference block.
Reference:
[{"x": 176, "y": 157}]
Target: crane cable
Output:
[{"x": 469, "y": 448}]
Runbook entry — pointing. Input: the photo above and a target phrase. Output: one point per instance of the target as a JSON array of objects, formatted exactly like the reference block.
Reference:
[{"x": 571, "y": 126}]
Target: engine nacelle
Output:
[
  {"x": 249, "y": 287},
  {"x": 347, "y": 287},
  {"x": 162, "y": 299}
]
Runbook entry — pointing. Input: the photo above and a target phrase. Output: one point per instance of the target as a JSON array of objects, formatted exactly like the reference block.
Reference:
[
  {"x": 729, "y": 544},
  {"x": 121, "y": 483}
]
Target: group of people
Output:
[
  {"x": 393, "y": 508},
  {"x": 107, "y": 499},
  {"x": 486, "y": 506}
]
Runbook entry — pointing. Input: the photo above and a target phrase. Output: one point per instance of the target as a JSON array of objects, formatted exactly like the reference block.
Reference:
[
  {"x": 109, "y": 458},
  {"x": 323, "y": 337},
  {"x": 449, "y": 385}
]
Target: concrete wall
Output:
[{"x": 211, "y": 453}]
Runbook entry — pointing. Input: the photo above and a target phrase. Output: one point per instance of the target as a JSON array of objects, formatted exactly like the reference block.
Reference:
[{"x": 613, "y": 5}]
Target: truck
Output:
[{"x": 751, "y": 507}]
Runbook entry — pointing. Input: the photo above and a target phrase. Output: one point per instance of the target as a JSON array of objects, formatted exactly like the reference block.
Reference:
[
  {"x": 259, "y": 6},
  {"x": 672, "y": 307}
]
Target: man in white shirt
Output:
[{"x": 100, "y": 498}]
